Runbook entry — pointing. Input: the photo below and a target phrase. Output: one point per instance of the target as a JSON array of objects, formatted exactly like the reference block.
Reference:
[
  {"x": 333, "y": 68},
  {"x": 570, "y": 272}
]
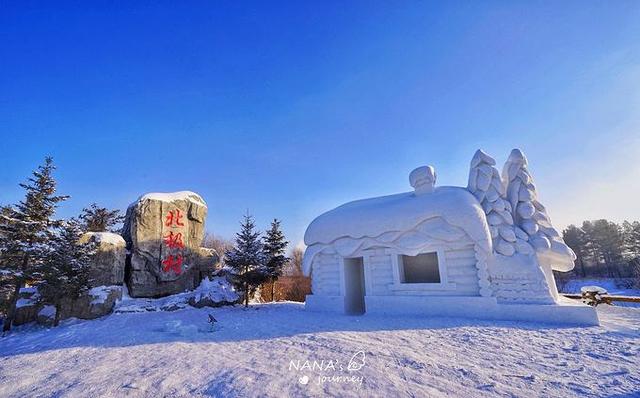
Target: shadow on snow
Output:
[{"x": 258, "y": 322}]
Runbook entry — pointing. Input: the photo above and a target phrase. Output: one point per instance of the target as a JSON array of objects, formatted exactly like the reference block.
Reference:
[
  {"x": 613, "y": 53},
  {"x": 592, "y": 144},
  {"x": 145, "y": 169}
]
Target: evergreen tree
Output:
[
  {"x": 607, "y": 243},
  {"x": 66, "y": 271},
  {"x": 632, "y": 238},
  {"x": 246, "y": 260},
  {"x": 99, "y": 219},
  {"x": 577, "y": 240},
  {"x": 274, "y": 250},
  {"x": 632, "y": 245},
  {"x": 605, "y": 248},
  {"x": 25, "y": 233}
]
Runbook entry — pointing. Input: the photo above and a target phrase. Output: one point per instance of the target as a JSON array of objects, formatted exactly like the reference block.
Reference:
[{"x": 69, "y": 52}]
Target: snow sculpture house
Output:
[{"x": 483, "y": 251}]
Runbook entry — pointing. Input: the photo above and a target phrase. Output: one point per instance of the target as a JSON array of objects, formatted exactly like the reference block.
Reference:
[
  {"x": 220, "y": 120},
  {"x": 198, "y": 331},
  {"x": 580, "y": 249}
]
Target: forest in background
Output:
[{"x": 604, "y": 249}]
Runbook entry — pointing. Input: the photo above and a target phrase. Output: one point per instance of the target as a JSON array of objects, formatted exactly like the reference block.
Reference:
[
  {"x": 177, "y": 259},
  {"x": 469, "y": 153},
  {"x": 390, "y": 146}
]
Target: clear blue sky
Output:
[{"x": 291, "y": 108}]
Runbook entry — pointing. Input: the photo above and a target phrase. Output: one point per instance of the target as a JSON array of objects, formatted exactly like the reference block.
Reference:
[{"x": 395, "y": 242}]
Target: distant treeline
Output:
[{"x": 604, "y": 249}]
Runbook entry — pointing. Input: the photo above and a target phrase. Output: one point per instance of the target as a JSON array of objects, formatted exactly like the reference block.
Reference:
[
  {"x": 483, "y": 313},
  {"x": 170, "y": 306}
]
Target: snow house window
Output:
[{"x": 422, "y": 268}]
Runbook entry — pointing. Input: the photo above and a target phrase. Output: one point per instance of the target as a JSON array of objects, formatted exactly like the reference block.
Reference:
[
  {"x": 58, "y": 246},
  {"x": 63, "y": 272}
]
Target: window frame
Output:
[{"x": 398, "y": 272}]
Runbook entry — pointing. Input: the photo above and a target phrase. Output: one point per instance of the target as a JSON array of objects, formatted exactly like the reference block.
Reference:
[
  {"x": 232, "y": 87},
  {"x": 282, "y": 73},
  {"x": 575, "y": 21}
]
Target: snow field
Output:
[{"x": 278, "y": 350}]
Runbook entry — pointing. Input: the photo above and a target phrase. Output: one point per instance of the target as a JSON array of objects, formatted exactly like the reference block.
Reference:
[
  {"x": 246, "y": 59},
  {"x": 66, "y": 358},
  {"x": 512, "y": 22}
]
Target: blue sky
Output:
[{"x": 289, "y": 109}]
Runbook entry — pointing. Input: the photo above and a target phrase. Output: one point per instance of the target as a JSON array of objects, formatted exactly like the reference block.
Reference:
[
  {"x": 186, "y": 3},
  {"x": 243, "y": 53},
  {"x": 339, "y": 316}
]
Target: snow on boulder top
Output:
[
  {"x": 107, "y": 237},
  {"x": 401, "y": 212},
  {"x": 173, "y": 196}
]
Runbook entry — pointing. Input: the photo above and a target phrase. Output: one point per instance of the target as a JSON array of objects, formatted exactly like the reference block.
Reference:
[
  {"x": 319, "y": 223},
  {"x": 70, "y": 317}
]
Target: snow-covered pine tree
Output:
[
  {"x": 66, "y": 270},
  {"x": 274, "y": 249},
  {"x": 100, "y": 219},
  {"x": 246, "y": 260},
  {"x": 632, "y": 238},
  {"x": 25, "y": 234}
]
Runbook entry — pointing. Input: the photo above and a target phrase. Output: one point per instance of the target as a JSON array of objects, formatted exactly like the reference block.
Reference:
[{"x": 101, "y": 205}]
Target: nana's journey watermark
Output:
[{"x": 330, "y": 370}]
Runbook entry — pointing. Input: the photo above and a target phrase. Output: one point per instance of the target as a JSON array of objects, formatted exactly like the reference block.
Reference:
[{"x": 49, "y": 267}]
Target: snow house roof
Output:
[{"x": 370, "y": 218}]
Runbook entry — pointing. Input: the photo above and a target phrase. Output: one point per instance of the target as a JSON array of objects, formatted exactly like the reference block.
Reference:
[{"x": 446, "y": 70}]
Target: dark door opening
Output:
[{"x": 354, "y": 285}]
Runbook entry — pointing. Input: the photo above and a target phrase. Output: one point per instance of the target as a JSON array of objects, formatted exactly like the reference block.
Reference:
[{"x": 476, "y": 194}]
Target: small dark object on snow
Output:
[
  {"x": 594, "y": 295},
  {"x": 212, "y": 321}
]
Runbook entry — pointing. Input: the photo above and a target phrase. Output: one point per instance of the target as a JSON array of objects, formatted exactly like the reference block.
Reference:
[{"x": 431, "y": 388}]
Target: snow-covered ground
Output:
[{"x": 267, "y": 350}]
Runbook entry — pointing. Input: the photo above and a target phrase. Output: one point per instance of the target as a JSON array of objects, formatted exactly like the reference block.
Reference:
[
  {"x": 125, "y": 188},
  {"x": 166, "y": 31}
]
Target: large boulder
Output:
[
  {"x": 97, "y": 302},
  {"x": 163, "y": 232},
  {"x": 107, "y": 267}
]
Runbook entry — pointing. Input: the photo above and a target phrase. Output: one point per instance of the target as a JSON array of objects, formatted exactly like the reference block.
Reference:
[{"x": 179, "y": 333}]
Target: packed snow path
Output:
[{"x": 263, "y": 351}]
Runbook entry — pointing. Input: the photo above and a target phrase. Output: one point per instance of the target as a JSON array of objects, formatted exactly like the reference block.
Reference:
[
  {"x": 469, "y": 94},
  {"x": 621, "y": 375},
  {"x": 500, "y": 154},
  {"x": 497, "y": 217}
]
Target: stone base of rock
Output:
[
  {"x": 212, "y": 292},
  {"x": 99, "y": 301},
  {"x": 208, "y": 302}
]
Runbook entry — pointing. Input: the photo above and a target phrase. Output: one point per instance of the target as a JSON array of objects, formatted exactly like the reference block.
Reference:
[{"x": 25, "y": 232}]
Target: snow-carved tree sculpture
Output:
[
  {"x": 529, "y": 214},
  {"x": 515, "y": 274},
  {"x": 531, "y": 219},
  {"x": 486, "y": 185}
]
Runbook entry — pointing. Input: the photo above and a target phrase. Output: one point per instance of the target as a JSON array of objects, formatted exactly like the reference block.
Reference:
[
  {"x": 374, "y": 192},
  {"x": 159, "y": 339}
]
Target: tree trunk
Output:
[
  {"x": 56, "y": 318},
  {"x": 609, "y": 261},
  {"x": 11, "y": 312},
  {"x": 246, "y": 295},
  {"x": 273, "y": 285}
]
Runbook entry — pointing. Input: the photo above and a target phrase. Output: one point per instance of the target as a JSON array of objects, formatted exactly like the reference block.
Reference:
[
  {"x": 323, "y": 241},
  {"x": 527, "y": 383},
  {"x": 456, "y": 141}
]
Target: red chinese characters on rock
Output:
[
  {"x": 174, "y": 242},
  {"x": 173, "y": 264},
  {"x": 173, "y": 219}
]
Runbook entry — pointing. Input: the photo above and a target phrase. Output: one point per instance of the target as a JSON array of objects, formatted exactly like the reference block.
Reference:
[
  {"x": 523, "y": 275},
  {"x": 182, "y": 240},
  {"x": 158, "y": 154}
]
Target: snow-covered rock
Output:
[
  {"x": 212, "y": 292},
  {"x": 46, "y": 315},
  {"x": 108, "y": 265},
  {"x": 164, "y": 232},
  {"x": 97, "y": 302},
  {"x": 208, "y": 261},
  {"x": 27, "y": 306}
]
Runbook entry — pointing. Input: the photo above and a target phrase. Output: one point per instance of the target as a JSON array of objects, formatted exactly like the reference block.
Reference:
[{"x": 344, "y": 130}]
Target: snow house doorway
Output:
[{"x": 354, "y": 285}]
